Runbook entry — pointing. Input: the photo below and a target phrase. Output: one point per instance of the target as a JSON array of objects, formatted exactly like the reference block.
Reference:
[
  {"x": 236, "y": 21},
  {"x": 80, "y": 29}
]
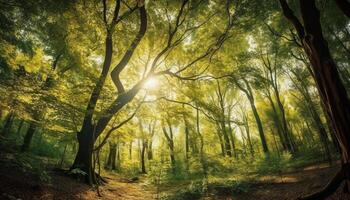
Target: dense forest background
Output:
[{"x": 185, "y": 96}]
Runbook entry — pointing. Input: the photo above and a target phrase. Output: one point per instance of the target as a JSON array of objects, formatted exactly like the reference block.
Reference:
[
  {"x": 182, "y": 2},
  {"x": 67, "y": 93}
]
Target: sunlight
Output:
[
  {"x": 171, "y": 94},
  {"x": 151, "y": 83}
]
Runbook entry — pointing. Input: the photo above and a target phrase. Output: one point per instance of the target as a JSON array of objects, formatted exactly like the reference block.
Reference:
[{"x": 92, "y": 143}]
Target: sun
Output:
[{"x": 151, "y": 83}]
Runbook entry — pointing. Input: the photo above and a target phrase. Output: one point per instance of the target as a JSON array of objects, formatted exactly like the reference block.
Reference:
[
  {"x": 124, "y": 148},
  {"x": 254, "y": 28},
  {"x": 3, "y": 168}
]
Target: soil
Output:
[
  {"x": 290, "y": 186},
  {"x": 22, "y": 184},
  {"x": 16, "y": 183}
]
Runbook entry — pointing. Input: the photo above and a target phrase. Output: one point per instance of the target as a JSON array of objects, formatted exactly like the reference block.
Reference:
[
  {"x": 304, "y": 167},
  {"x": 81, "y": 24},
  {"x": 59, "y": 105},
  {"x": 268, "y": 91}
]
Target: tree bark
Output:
[
  {"x": 281, "y": 135},
  {"x": 112, "y": 156},
  {"x": 83, "y": 158},
  {"x": 150, "y": 151},
  {"x": 249, "y": 93},
  {"x": 331, "y": 89},
  {"x": 86, "y": 138},
  {"x": 28, "y": 137},
  {"x": 260, "y": 127},
  {"x": 232, "y": 137},
  {"x": 187, "y": 142},
  {"x": 143, "y": 153},
  {"x": 8, "y": 123},
  {"x": 249, "y": 140},
  {"x": 287, "y": 134},
  {"x": 63, "y": 155},
  {"x": 130, "y": 150},
  {"x": 20, "y": 125},
  {"x": 344, "y": 6},
  {"x": 222, "y": 145},
  {"x": 170, "y": 141}
]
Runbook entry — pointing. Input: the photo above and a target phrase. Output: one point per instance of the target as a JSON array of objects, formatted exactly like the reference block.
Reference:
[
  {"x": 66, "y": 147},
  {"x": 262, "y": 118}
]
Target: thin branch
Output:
[
  {"x": 275, "y": 33},
  {"x": 108, "y": 134},
  {"x": 105, "y": 12}
]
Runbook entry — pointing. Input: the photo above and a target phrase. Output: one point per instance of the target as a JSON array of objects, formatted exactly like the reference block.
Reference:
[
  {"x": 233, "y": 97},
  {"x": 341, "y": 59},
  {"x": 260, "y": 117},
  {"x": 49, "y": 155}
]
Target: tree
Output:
[
  {"x": 245, "y": 87},
  {"x": 90, "y": 130},
  {"x": 331, "y": 89},
  {"x": 169, "y": 135}
]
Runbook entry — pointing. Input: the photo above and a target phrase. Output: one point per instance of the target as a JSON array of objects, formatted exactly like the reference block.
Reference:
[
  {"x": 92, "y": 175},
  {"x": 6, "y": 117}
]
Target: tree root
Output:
[
  {"x": 329, "y": 189},
  {"x": 100, "y": 179}
]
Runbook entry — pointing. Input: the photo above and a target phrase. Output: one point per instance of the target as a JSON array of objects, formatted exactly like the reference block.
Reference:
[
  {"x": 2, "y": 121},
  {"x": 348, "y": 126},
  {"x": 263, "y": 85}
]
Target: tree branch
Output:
[
  {"x": 124, "y": 61},
  {"x": 288, "y": 13}
]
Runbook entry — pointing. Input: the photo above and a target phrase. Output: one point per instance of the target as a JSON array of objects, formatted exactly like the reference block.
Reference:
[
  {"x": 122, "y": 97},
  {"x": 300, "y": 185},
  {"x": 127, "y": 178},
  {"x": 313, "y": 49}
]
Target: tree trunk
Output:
[
  {"x": 260, "y": 127},
  {"x": 170, "y": 141},
  {"x": 331, "y": 89},
  {"x": 278, "y": 126},
  {"x": 275, "y": 142},
  {"x": 118, "y": 165},
  {"x": 286, "y": 132},
  {"x": 63, "y": 155},
  {"x": 143, "y": 153},
  {"x": 187, "y": 142},
  {"x": 149, "y": 150},
  {"x": 83, "y": 158},
  {"x": 249, "y": 140},
  {"x": 28, "y": 137},
  {"x": 20, "y": 125},
  {"x": 130, "y": 150},
  {"x": 202, "y": 156},
  {"x": 250, "y": 95},
  {"x": 317, "y": 122},
  {"x": 228, "y": 150},
  {"x": 112, "y": 155},
  {"x": 8, "y": 123},
  {"x": 321, "y": 132},
  {"x": 232, "y": 138}
]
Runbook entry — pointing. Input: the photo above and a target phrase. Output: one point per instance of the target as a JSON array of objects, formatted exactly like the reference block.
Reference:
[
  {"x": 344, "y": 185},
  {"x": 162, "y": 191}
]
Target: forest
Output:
[{"x": 175, "y": 99}]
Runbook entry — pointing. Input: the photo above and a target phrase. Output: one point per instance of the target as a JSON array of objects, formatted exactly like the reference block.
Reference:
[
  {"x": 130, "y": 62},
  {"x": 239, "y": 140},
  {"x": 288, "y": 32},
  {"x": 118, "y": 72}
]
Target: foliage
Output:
[{"x": 209, "y": 91}]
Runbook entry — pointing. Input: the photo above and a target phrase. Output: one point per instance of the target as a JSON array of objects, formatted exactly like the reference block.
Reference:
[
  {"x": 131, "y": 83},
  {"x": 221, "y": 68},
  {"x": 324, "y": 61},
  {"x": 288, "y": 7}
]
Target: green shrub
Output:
[{"x": 273, "y": 163}]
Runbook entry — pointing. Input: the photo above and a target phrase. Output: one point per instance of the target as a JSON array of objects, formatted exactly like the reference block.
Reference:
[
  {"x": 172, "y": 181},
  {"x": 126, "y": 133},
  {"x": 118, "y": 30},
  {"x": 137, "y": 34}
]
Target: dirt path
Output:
[{"x": 16, "y": 183}]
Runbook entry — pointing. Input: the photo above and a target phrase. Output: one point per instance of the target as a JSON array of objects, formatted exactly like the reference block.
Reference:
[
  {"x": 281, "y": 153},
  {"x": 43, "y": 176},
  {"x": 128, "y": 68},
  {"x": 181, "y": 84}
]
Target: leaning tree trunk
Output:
[
  {"x": 332, "y": 91},
  {"x": 250, "y": 95},
  {"x": 277, "y": 123},
  {"x": 260, "y": 127},
  {"x": 287, "y": 133}
]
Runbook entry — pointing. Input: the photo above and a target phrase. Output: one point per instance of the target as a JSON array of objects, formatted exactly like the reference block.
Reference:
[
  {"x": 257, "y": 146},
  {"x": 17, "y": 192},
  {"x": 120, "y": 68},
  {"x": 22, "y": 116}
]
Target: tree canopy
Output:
[{"x": 190, "y": 89}]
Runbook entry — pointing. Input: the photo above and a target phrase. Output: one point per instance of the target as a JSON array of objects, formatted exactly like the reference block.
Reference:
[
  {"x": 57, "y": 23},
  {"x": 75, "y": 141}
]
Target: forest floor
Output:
[
  {"x": 27, "y": 177},
  {"x": 21, "y": 179},
  {"x": 288, "y": 186}
]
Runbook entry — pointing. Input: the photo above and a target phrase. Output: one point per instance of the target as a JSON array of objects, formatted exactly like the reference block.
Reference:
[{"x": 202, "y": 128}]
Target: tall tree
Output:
[{"x": 331, "y": 89}]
